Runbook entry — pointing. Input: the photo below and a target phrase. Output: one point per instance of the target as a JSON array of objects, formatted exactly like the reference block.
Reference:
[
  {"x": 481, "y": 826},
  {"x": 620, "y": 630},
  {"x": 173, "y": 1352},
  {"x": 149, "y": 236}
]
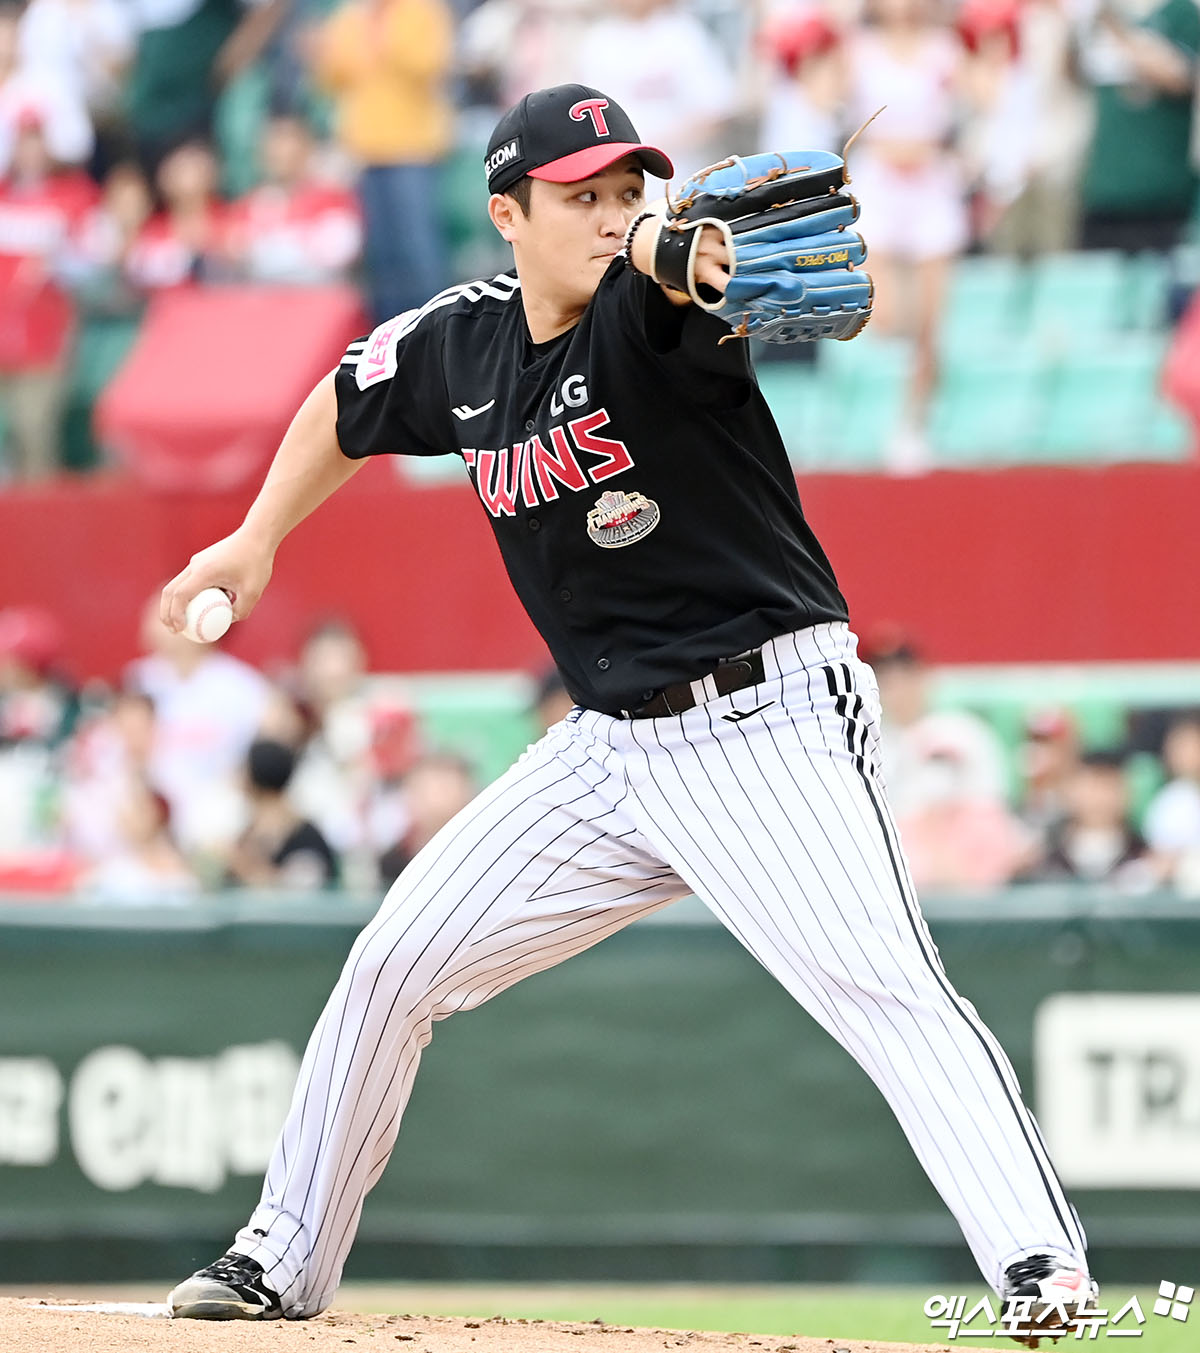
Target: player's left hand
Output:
[{"x": 791, "y": 258}]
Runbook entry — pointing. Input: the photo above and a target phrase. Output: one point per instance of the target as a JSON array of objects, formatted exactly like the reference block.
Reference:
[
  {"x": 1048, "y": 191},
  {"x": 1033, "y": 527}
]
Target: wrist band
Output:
[{"x": 630, "y": 233}]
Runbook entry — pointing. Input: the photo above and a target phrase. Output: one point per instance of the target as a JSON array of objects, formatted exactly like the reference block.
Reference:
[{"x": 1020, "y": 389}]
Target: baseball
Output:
[{"x": 208, "y": 616}]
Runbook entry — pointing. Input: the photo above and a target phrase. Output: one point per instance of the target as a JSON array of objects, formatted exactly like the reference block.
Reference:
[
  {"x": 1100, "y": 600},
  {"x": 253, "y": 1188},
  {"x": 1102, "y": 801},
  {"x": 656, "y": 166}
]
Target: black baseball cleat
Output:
[
  {"x": 233, "y": 1288},
  {"x": 1043, "y": 1293}
]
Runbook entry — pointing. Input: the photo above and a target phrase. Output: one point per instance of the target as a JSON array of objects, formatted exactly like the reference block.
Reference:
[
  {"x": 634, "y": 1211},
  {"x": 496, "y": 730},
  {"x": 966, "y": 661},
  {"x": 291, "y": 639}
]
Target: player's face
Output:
[{"x": 574, "y": 230}]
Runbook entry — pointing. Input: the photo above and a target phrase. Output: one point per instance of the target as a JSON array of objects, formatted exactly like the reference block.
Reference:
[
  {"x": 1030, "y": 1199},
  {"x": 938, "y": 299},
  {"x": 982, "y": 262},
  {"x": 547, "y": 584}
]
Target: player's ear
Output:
[{"x": 505, "y": 214}]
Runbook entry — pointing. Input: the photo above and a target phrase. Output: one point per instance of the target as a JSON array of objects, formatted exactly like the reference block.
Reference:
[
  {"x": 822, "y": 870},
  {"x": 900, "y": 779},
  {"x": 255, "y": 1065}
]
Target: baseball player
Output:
[{"x": 725, "y": 736}]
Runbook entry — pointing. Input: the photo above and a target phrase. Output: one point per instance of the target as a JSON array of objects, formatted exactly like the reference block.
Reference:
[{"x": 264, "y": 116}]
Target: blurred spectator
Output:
[
  {"x": 551, "y": 704},
  {"x": 359, "y": 743},
  {"x": 396, "y": 747},
  {"x": 146, "y": 866},
  {"x": 1096, "y": 841},
  {"x": 437, "y": 788},
  {"x": 86, "y": 46},
  {"x": 42, "y": 209},
  {"x": 955, "y": 834},
  {"x": 386, "y": 64},
  {"x": 293, "y": 228},
  {"x": 97, "y": 270},
  {"x": 1047, "y": 760},
  {"x": 1045, "y": 216},
  {"x": 108, "y": 759},
  {"x": 1001, "y": 123},
  {"x": 187, "y": 52},
  {"x": 910, "y": 185},
  {"x": 36, "y": 705},
  {"x": 508, "y": 48},
  {"x": 804, "y": 100},
  {"x": 29, "y": 93},
  {"x": 914, "y": 735},
  {"x": 208, "y": 707},
  {"x": 36, "y": 714},
  {"x": 1172, "y": 822},
  {"x": 664, "y": 67},
  {"x": 279, "y": 848},
  {"x": 185, "y": 242},
  {"x": 1139, "y": 187}
]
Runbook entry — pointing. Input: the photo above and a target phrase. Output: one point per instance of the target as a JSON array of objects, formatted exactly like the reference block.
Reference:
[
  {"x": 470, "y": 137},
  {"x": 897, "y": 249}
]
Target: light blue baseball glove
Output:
[{"x": 795, "y": 272}]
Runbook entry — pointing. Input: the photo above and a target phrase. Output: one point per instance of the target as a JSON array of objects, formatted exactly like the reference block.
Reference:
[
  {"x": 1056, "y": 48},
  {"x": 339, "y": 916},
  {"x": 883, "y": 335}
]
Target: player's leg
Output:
[
  {"x": 780, "y": 823},
  {"x": 544, "y": 864}
]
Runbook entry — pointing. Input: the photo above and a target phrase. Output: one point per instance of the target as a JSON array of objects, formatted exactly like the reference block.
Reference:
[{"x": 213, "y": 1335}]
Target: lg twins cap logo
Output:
[
  {"x": 621, "y": 518},
  {"x": 593, "y": 108},
  {"x": 502, "y": 155}
]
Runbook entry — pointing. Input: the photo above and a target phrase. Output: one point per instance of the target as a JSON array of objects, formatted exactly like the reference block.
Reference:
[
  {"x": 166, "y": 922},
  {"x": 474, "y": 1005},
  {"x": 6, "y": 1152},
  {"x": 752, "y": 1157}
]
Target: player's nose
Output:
[{"x": 613, "y": 220}]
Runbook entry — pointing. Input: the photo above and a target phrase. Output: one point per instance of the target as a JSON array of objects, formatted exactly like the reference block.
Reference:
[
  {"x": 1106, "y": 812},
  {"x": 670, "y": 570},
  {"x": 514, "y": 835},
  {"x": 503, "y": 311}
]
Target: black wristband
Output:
[{"x": 630, "y": 233}]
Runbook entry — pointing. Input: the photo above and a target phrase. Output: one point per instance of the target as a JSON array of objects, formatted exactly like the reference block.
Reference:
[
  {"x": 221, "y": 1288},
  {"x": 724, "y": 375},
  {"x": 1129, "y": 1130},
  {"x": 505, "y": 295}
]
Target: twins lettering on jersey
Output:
[{"x": 531, "y": 472}]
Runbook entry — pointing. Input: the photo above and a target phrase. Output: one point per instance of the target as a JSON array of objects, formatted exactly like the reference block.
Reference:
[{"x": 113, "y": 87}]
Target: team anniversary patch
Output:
[{"x": 621, "y": 518}]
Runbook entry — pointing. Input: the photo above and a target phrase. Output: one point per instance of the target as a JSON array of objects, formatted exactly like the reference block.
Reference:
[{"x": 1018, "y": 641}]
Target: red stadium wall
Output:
[{"x": 1032, "y": 564}]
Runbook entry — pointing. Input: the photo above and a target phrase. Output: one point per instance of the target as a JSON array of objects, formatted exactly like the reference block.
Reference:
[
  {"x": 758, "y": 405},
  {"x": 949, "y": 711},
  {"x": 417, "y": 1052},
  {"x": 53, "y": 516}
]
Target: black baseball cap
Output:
[{"x": 565, "y": 134}]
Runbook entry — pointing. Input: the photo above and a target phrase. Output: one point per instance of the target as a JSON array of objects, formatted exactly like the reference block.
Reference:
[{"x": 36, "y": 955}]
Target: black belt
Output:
[{"x": 729, "y": 675}]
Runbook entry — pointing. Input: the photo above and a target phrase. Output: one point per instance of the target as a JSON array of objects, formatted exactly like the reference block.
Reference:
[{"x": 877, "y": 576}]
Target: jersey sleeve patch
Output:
[{"x": 377, "y": 361}]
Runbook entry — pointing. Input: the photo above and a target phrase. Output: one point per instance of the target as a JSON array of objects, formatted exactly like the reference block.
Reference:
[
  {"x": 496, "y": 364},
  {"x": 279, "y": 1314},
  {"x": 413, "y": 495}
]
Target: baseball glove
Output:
[{"x": 793, "y": 258}]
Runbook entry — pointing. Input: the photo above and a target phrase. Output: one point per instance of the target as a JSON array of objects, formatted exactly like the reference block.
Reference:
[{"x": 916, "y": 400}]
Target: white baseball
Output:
[{"x": 208, "y": 616}]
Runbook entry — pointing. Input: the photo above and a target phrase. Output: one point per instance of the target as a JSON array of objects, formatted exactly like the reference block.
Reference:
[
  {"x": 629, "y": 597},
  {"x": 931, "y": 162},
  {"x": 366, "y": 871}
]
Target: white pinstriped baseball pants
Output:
[{"x": 778, "y": 822}]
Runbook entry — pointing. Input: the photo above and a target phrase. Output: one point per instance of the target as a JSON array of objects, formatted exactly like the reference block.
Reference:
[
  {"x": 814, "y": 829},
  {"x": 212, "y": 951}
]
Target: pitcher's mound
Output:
[{"x": 32, "y": 1326}]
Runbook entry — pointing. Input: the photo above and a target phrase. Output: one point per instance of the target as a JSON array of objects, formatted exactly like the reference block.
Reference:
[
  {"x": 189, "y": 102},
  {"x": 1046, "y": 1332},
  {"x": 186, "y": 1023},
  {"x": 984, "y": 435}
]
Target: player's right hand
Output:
[{"x": 240, "y": 565}]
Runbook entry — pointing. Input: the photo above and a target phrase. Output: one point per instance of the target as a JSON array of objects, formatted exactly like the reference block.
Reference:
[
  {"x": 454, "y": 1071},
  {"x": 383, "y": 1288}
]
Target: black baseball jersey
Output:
[{"x": 632, "y": 472}]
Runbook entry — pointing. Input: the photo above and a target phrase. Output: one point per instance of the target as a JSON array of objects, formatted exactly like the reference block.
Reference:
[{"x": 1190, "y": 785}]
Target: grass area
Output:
[{"x": 882, "y": 1313}]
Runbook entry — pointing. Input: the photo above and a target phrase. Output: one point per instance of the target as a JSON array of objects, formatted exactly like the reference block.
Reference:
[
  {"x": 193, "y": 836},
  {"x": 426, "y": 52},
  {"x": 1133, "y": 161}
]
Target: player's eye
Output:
[
  {"x": 633, "y": 194},
  {"x": 589, "y": 197}
]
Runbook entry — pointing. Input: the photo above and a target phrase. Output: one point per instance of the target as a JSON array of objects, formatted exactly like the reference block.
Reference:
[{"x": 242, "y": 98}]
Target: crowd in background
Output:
[
  {"x": 198, "y": 772},
  {"x": 1017, "y": 125}
]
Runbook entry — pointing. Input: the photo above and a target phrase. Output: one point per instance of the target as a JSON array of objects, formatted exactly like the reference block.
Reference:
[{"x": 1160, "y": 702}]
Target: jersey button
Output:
[
  {"x": 534, "y": 524},
  {"x": 530, "y": 425},
  {"x": 603, "y": 664},
  {"x": 566, "y": 595}
]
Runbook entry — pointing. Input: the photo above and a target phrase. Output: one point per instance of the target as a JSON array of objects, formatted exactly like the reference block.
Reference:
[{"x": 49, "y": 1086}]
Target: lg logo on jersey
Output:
[{"x": 574, "y": 396}]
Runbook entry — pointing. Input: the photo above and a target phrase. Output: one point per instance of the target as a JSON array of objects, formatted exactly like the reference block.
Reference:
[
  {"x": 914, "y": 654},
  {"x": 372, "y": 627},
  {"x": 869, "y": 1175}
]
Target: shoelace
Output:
[
  {"x": 232, "y": 1266},
  {"x": 1034, "y": 1267}
]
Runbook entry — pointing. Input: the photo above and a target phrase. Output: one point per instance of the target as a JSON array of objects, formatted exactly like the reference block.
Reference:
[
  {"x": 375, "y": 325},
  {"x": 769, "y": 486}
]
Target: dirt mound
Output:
[{"x": 36, "y": 1326}]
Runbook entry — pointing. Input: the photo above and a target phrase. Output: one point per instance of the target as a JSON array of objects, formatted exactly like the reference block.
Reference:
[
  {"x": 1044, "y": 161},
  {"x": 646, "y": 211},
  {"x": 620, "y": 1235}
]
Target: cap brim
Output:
[{"x": 582, "y": 164}]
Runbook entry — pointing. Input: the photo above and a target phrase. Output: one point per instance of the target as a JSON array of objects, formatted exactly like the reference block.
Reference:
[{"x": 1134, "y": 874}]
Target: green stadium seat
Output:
[
  {"x": 1170, "y": 435},
  {"x": 986, "y": 302},
  {"x": 836, "y": 413},
  {"x": 875, "y": 373},
  {"x": 1148, "y": 280},
  {"x": 1103, "y": 401},
  {"x": 1077, "y": 298},
  {"x": 988, "y": 406},
  {"x": 484, "y": 717},
  {"x": 1144, "y": 772}
]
